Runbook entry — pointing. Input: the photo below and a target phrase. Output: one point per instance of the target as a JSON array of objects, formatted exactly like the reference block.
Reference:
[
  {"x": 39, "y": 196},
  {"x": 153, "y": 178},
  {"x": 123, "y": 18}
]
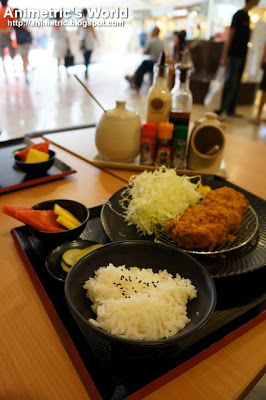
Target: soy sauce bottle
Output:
[{"x": 180, "y": 111}]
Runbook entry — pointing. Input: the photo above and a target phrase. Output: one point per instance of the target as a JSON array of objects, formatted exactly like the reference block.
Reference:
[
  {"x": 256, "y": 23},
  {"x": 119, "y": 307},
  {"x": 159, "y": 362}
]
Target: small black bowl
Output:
[
  {"x": 52, "y": 261},
  {"x": 80, "y": 211},
  {"x": 142, "y": 254},
  {"x": 35, "y": 168}
]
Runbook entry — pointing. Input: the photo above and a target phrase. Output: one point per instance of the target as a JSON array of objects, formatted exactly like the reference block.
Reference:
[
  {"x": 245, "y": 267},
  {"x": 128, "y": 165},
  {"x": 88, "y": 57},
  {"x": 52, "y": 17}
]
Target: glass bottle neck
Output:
[
  {"x": 184, "y": 85},
  {"x": 181, "y": 81},
  {"x": 159, "y": 80},
  {"x": 160, "y": 73}
]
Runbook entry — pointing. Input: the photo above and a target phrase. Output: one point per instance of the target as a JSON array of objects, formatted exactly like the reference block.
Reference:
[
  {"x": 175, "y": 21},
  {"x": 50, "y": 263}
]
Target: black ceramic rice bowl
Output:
[{"x": 141, "y": 254}]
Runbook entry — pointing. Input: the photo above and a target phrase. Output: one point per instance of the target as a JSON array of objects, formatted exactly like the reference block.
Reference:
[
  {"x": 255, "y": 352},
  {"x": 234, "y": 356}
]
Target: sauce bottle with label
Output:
[
  {"x": 180, "y": 111},
  {"x": 148, "y": 141},
  {"x": 164, "y": 144},
  {"x": 159, "y": 96}
]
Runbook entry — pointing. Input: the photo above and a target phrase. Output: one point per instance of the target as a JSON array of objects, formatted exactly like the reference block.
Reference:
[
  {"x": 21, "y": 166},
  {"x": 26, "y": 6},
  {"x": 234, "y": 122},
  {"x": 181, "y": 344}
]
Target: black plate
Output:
[
  {"x": 14, "y": 178},
  {"x": 248, "y": 258},
  {"x": 52, "y": 261},
  {"x": 114, "y": 224}
]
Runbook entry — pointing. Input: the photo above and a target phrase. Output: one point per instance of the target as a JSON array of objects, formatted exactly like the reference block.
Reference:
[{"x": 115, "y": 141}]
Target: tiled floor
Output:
[{"x": 53, "y": 100}]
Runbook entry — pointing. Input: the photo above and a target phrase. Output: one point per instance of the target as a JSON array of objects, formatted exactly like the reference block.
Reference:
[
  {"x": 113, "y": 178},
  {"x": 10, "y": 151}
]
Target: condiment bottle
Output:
[
  {"x": 180, "y": 111},
  {"x": 159, "y": 96},
  {"x": 148, "y": 141},
  {"x": 164, "y": 144}
]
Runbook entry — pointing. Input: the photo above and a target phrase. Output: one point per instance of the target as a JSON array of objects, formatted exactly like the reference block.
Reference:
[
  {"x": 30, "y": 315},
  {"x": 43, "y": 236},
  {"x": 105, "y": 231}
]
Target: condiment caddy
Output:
[{"x": 164, "y": 138}]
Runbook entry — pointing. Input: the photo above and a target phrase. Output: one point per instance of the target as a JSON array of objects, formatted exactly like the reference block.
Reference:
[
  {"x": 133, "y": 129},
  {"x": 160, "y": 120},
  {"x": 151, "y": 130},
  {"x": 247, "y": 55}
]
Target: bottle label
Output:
[
  {"x": 163, "y": 156},
  {"x": 147, "y": 150},
  {"x": 179, "y": 153},
  {"x": 157, "y": 103}
]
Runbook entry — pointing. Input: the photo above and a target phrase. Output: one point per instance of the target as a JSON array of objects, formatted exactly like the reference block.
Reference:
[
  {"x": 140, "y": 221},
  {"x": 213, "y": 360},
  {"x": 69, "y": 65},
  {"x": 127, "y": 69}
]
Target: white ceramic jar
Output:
[{"x": 118, "y": 134}]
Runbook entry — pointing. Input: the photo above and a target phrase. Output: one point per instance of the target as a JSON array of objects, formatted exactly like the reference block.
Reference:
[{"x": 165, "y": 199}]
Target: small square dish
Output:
[{"x": 14, "y": 178}]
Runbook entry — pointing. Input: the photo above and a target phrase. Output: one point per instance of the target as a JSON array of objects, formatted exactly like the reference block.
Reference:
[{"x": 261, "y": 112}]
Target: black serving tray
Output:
[
  {"x": 110, "y": 372},
  {"x": 14, "y": 179}
]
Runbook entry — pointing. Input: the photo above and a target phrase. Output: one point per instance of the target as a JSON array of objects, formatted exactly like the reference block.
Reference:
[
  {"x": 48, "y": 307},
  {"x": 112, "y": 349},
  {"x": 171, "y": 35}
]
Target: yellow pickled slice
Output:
[
  {"x": 87, "y": 250},
  {"x": 66, "y": 222},
  {"x": 62, "y": 212}
]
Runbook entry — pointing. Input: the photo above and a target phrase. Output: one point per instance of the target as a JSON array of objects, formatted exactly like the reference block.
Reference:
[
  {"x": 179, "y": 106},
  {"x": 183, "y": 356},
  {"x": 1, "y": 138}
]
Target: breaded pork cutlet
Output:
[{"x": 208, "y": 224}]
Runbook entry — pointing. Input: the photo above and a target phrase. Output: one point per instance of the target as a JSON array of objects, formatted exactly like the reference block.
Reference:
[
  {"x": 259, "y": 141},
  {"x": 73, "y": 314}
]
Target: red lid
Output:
[{"x": 149, "y": 129}]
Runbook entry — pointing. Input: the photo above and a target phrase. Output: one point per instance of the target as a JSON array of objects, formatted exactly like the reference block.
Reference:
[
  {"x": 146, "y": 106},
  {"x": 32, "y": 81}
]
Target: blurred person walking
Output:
[
  {"x": 234, "y": 58},
  {"x": 61, "y": 43},
  {"x": 5, "y": 30},
  {"x": 262, "y": 87},
  {"x": 24, "y": 41},
  {"x": 176, "y": 56},
  {"x": 87, "y": 38},
  {"x": 154, "y": 48}
]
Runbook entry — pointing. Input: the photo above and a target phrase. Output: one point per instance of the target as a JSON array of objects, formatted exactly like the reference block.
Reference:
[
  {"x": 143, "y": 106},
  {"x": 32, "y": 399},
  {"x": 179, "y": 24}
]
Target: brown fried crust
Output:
[{"x": 208, "y": 224}]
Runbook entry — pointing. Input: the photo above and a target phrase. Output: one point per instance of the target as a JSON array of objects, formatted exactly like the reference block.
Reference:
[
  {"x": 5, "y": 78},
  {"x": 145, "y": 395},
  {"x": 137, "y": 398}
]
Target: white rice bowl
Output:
[{"x": 138, "y": 303}]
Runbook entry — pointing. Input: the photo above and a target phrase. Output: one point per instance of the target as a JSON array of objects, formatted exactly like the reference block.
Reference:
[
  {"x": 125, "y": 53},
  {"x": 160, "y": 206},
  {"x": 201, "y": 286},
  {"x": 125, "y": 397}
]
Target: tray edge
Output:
[{"x": 58, "y": 325}]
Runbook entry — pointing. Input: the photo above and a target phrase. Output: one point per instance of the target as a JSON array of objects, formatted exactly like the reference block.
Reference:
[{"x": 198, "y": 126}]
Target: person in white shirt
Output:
[
  {"x": 59, "y": 34},
  {"x": 87, "y": 39},
  {"x": 154, "y": 48}
]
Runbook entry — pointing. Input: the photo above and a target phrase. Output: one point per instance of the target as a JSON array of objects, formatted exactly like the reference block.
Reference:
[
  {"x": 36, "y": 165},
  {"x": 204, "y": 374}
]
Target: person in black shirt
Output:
[
  {"x": 234, "y": 58},
  {"x": 262, "y": 87}
]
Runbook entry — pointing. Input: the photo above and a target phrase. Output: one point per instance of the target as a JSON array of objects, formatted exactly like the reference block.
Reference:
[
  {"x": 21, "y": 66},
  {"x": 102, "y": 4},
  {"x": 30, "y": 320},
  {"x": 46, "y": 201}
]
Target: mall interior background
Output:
[{"x": 51, "y": 101}]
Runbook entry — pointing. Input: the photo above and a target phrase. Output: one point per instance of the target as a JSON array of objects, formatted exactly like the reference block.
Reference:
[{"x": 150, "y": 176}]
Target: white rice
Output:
[{"x": 139, "y": 304}]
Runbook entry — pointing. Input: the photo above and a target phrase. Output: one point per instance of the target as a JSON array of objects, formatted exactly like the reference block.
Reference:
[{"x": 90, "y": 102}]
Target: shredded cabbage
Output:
[{"x": 152, "y": 199}]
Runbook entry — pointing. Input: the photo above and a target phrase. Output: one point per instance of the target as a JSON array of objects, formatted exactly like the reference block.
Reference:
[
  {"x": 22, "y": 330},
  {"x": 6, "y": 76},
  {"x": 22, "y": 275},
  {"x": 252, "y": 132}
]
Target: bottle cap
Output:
[
  {"x": 149, "y": 129},
  {"x": 165, "y": 130},
  {"x": 181, "y": 132},
  {"x": 185, "y": 64},
  {"x": 160, "y": 68}
]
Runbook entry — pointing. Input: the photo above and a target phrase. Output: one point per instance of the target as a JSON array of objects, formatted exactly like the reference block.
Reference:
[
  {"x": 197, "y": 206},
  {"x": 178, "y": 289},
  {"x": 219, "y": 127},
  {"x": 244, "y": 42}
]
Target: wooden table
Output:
[{"x": 33, "y": 362}]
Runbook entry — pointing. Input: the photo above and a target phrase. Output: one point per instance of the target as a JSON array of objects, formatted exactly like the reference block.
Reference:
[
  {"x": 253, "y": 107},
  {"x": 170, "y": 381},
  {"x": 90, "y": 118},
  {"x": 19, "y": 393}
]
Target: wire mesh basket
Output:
[{"x": 243, "y": 234}]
